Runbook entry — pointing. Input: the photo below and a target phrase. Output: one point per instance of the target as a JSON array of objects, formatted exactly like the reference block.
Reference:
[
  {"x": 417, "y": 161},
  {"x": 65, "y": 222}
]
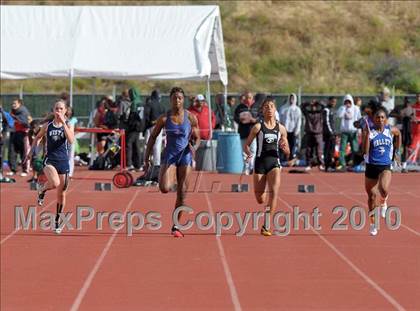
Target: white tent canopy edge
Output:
[{"x": 113, "y": 42}]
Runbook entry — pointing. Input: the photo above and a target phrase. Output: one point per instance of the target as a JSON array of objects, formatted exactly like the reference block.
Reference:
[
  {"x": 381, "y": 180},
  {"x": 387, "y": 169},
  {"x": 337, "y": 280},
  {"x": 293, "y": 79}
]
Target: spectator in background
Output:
[
  {"x": 3, "y": 126},
  {"x": 231, "y": 102},
  {"x": 112, "y": 115},
  {"x": 407, "y": 115},
  {"x": 153, "y": 110},
  {"x": 124, "y": 107},
  {"x": 191, "y": 100},
  {"x": 415, "y": 127},
  {"x": 358, "y": 102},
  {"x": 291, "y": 117},
  {"x": 329, "y": 134},
  {"x": 246, "y": 115},
  {"x": 358, "y": 106},
  {"x": 348, "y": 114},
  {"x": 258, "y": 100},
  {"x": 135, "y": 98},
  {"x": 224, "y": 119},
  {"x": 6, "y": 125},
  {"x": 134, "y": 123},
  {"x": 366, "y": 117},
  {"x": 37, "y": 154},
  {"x": 99, "y": 122},
  {"x": 221, "y": 118},
  {"x": 201, "y": 110},
  {"x": 19, "y": 141},
  {"x": 136, "y": 126},
  {"x": 66, "y": 97},
  {"x": 388, "y": 103},
  {"x": 313, "y": 131},
  {"x": 72, "y": 121}
]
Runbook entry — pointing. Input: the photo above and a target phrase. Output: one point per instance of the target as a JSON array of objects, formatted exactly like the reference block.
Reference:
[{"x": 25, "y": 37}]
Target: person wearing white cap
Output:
[{"x": 201, "y": 111}]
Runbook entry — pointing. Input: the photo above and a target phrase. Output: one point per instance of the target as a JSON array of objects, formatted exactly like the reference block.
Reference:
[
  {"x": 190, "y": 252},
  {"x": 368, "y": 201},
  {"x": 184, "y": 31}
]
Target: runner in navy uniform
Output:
[
  {"x": 56, "y": 163},
  {"x": 180, "y": 127},
  {"x": 378, "y": 145},
  {"x": 270, "y": 136}
]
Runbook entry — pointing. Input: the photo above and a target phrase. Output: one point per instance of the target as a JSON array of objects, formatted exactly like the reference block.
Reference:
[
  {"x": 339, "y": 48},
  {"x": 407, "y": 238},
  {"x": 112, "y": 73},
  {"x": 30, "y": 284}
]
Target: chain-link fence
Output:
[{"x": 40, "y": 104}]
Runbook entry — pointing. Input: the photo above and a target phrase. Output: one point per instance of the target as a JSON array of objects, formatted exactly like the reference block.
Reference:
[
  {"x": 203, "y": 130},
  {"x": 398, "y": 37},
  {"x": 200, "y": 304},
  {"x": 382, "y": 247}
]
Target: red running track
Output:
[{"x": 91, "y": 269}]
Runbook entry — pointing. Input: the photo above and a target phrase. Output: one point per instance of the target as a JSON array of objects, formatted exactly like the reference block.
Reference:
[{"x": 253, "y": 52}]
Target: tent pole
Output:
[
  {"x": 226, "y": 118},
  {"x": 71, "y": 88},
  {"x": 299, "y": 96},
  {"x": 92, "y": 112},
  {"x": 21, "y": 91},
  {"x": 299, "y": 139},
  {"x": 208, "y": 95},
  {"x": 114, "y": 92},
  {"x": 92, "y": 104}
]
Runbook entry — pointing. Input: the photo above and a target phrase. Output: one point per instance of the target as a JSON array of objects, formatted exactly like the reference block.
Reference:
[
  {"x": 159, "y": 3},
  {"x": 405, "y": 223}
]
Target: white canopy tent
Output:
[{"x": 113, "y": 42}]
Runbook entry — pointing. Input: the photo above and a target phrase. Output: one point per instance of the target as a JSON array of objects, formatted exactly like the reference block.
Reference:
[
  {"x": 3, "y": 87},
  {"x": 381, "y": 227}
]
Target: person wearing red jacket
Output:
[
  {"x": 200, "y": 109},
  {"x": 416, "y": 123}
]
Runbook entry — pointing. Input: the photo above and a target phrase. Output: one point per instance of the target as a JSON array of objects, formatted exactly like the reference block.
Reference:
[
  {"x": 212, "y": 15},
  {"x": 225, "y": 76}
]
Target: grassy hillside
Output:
[{"x": 277, "y": 46}]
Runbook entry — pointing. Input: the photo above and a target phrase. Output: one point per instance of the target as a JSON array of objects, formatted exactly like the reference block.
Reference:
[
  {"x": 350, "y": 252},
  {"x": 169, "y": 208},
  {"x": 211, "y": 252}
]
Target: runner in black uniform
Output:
[
  {"x": 270, "y": 135},
  {"x": 56, "y": 163}
]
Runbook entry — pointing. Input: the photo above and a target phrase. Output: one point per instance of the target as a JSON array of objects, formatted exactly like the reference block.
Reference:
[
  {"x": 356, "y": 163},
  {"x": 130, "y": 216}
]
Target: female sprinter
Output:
[
  {"x": 378, "y": 144},
  {"x": 56, "y": 163},
  {"x": 180, "y": 126},
  {"x": 270, "y": 136}
]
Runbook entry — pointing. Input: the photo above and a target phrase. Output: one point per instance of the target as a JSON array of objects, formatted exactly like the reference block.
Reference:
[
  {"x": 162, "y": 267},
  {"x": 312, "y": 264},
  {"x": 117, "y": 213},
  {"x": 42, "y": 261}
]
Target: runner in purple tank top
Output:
[{"x": 181, "y": 128}]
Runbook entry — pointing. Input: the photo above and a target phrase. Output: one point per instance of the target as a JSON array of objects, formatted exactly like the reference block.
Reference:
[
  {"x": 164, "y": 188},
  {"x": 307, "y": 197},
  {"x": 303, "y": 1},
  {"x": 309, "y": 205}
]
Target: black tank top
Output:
[{"x": 268, "y": 141}]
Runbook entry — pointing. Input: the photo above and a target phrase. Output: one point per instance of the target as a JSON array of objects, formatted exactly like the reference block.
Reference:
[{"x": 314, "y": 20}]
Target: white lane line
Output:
[
  {"x": 226, "y": 269},
  {"x": 37, "y": 214},
  {"x": 371, "y": 282},
  {"x": 363, "y": 204},
  {"x": 85, "y": 287}
]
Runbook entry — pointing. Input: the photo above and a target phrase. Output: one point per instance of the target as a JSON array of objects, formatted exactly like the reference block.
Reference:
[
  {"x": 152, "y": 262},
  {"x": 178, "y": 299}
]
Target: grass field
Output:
[{"x": 273, "y": 46}]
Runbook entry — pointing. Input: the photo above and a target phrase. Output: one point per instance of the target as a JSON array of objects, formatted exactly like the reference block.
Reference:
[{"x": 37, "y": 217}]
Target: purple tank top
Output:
[{"x": 177, "y": 136}]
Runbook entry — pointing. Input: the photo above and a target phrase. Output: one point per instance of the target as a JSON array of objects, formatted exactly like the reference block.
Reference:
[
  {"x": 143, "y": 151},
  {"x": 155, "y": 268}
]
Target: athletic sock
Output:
[
  {"x": 266, "y": 211},
  {"x": 57, "y": 216},
  {"x": 383, "y": 200}
]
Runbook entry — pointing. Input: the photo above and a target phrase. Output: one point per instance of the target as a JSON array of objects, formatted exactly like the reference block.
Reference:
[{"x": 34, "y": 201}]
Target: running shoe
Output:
[
  {"x": 340, "y": 168},
  {"x": 176, "y": 232},
  {"x": 372, "y": 230},
  {"x": 41, "y": 195},
  {"x": 58, "y": 229},
  {"x": 265, "y": 231}
]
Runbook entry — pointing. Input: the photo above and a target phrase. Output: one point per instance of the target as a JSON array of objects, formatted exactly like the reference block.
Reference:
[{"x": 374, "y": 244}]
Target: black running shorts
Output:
[{"x": 263, "y": 165}]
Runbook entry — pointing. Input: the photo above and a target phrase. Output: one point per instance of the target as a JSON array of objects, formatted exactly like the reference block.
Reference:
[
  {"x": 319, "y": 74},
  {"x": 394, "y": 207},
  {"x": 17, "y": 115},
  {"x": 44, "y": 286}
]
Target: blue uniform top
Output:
[
  {"x": 381, "y": 146},
  {"x": 57, "y": 144},
  {"x": 177, "y": 150}
]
